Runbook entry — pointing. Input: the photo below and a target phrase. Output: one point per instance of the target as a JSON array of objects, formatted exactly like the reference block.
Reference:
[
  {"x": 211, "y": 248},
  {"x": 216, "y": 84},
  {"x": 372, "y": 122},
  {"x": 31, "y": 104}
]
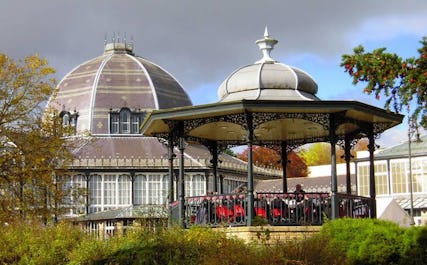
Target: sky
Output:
[{"x": 202, "y": 42}]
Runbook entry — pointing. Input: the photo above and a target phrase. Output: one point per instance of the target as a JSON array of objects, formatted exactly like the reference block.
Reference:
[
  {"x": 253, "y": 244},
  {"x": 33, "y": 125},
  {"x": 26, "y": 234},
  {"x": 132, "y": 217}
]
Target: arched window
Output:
[
  {"x": 195, "y": 185},
  {"x": 67, "y": 186},
  {"x": 73, "y": 121},
  {"x": 79, "y": 193},
  {"x": 125, "y": 121},
  {"x": 135, "y": 123},
  {"x": 66, "y": 119},
  {"x": 114, "y": 123},
  {"x": 165, "y": 188},
  {"x": 139, "y": 189},
  {"x": 69, "y": 119},
  {"x": 95, "y": 193},
  {"x": 154, "y": 189},
  {"x": 125, "y": 190},
  {"x": 110, "y": 190},
  {"x": 150, "y": 189}
]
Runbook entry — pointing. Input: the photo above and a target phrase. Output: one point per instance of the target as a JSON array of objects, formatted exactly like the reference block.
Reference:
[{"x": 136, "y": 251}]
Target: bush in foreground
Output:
[
  {"x": 372, "y": 241},
  {"x": 32, "y": 243},
  {"x": 343, "y": 241}
]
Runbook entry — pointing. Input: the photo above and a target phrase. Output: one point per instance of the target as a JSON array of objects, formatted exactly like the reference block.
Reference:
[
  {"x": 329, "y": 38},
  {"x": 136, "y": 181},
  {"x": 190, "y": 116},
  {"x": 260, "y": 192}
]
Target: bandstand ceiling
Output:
[{"x": 273, "y": 121}]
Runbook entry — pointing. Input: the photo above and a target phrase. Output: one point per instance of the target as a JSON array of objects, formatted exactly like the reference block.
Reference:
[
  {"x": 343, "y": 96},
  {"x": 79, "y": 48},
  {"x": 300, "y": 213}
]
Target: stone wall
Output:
[{"x": 270, "y": 234}]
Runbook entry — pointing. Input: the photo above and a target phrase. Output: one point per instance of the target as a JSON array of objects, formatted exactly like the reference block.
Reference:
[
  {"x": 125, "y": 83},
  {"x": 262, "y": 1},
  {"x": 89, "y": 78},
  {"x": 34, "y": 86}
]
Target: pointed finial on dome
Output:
[
  {"x": 266, "y": 32},
  {"x": 266, "y": 45}
]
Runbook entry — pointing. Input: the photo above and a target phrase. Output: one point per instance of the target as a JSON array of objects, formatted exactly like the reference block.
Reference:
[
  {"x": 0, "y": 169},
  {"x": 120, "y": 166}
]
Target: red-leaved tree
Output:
[{"x": 267, "y": 157}]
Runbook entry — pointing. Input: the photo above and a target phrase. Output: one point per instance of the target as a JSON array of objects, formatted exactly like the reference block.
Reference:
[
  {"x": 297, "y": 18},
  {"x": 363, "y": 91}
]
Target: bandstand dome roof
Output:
[
  {"x": 116, "y": 79},
  {"x": 273, "y": 103},
  {"x": 268, "y": 79}
]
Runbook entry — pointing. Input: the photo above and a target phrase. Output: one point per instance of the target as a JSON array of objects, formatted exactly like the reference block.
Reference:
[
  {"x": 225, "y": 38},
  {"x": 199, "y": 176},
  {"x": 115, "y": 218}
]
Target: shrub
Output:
[
  {"x": 178, "y": 246},
  {"x": 365, "y": 241},
  {"x": 33, "y": 243},
  {"x": 312, "y": 250},
  {"x": 89, "y": 251},
  {"x": 343, "y": 241},
  {"x": 413, "y": 248}
]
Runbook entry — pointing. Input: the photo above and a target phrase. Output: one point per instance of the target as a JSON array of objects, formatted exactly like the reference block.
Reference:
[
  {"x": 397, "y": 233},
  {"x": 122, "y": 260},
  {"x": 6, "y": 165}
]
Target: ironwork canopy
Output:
[{"x": 272, "y": 122}]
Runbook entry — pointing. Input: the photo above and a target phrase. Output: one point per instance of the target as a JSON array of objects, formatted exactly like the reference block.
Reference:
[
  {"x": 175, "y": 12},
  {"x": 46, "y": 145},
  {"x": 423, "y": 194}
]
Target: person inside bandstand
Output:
[
  {"x": 298, "y": 189},
  {"x": 278, "y": 212},
  {"x": 300, "y": 203}
]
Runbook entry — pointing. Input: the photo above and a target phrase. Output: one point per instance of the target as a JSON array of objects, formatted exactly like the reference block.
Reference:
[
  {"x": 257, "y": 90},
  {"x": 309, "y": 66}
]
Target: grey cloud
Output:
[{"x": 197, "y": 41}]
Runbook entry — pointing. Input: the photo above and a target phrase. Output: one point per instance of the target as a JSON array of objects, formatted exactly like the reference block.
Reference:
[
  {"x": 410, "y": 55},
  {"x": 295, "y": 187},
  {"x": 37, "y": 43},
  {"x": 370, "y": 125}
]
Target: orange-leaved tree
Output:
[{"x": 267, "y": 157}]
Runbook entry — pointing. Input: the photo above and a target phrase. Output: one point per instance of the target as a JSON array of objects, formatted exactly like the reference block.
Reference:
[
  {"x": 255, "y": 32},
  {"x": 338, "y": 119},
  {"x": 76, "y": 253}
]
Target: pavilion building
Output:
[
  {"x": 400, "y": 175},
  {"x": 123, "y": 172}
]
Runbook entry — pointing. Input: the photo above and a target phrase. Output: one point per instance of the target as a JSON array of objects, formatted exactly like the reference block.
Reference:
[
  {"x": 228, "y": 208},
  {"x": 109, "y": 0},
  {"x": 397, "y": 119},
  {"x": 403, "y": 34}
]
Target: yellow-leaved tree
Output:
[
  {"x": 320, "y": 153},
  {"x": 33, "y": 149}
]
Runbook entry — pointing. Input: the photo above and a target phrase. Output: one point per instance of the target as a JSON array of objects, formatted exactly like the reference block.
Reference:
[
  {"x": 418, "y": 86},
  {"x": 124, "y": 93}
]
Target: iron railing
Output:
[
  {"x": 272, "y": 208},
  {"x": 354, "y": 206}
]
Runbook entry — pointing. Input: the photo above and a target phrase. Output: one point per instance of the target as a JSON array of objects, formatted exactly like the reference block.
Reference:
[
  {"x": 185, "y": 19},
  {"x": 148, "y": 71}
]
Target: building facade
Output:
[
  {"x": 107, "y": 98},
  {"x": 396, "y": 168}
]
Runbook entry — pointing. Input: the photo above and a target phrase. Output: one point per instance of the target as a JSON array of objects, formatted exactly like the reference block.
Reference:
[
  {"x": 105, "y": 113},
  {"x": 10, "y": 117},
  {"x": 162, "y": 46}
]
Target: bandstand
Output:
[{"x": 271, "y": 104}]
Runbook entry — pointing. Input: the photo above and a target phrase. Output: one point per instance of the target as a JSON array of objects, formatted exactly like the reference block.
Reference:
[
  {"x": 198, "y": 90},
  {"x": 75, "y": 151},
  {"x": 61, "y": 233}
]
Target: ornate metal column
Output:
[
  {"x": 221, "y": 184},
  {"x": 87, "y": 176},
  {"x": 207, "y": 181},
  {"x": 284, "y": 158},
  {"x": 181, "y": 182},
  {"x": 413, "y": 130},
  {"x": 213, "y": 148},
  {"x": 132, "y": 185},
  {"x": 372, "y": 191},
  {"x": 176, "y": 183},
  {"x": 334, "y": 188},
  {"x": 347, "y": 157},
  {"x": 171, "y": 156},
  {"x": 250, "y": 170}
]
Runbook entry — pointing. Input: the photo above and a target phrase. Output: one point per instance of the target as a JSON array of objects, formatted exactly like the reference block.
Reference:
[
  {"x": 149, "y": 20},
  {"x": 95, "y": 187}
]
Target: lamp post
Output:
[
  {"x": 412, "y": 128},
  {"x": 411, "y": 199}
]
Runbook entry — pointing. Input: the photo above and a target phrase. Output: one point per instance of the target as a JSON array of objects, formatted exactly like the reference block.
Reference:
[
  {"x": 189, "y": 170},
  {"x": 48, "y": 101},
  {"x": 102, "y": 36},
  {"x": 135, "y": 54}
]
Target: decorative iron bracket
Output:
[
  {"x": 263, "y": 117},
  {"x": 239, "y": 119}
]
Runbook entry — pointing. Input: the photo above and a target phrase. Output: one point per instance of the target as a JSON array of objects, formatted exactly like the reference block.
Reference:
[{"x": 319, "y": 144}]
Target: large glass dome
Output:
[{"x": 115, "y": 81}]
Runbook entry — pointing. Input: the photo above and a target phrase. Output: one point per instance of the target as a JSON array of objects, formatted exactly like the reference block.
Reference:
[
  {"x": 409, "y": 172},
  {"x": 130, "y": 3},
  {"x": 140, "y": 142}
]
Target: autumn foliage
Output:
[
  {"x": 263, "y": 156},
  {"x": 33, "y": 150},
  {"x": 320, "y": 153}
]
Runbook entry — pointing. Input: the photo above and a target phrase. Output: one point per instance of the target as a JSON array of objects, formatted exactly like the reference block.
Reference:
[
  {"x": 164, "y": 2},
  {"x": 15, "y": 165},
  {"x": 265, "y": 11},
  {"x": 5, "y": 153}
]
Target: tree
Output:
[
  {"x": 320, "y": 153},
  {"x": 24, "y": 87},
  {"x": 263, "y": 156},
  {"x": 229, "y": 152},
  {"x": 33, "y": 150},
  {"x": 317, "y": 154},
  {"x": 296, "y": 166},
  {"x": 401, "y": 81},
  {"x": 361, "y": 145}
]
